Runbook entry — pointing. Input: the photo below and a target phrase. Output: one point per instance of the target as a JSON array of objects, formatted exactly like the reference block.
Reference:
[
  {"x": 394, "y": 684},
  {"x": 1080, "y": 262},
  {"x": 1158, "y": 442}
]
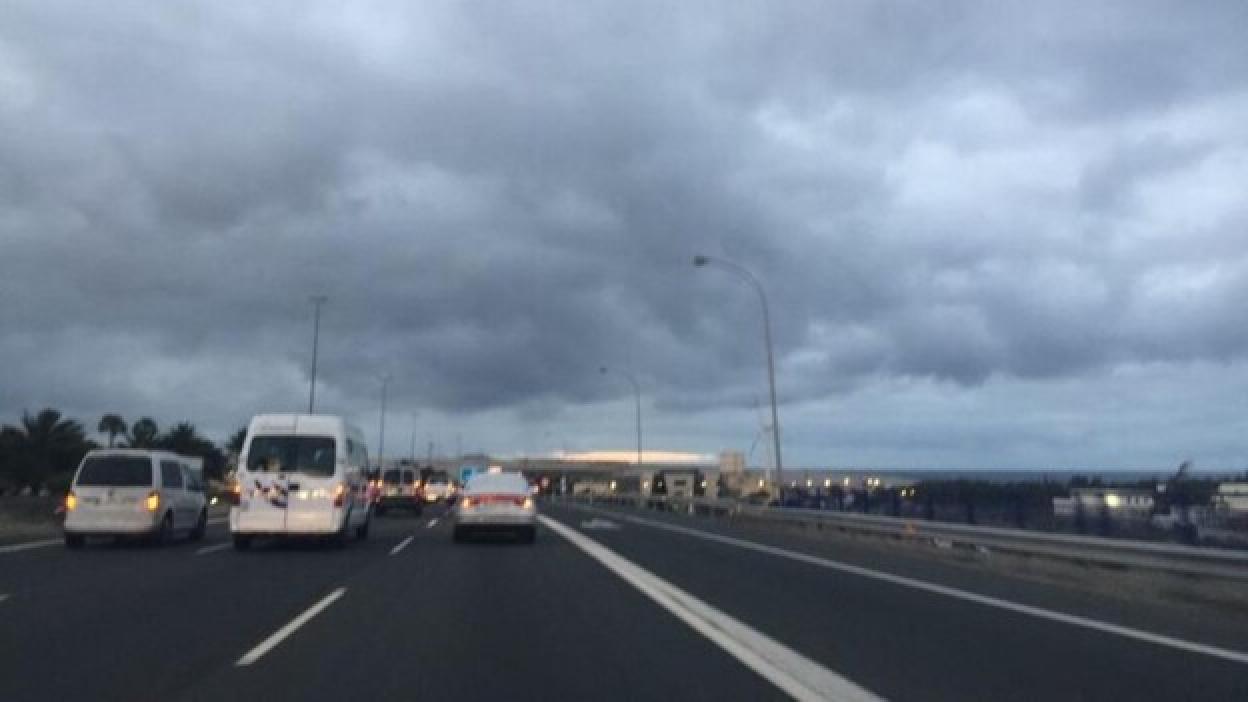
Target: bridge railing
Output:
[{"x": 1119, "y": 553}]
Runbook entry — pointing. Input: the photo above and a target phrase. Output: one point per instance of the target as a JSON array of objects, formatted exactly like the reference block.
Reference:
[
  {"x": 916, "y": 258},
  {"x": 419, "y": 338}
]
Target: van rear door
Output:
[
  {"x": 114, "y": 487},
  {"x": 294, "y": 477}
]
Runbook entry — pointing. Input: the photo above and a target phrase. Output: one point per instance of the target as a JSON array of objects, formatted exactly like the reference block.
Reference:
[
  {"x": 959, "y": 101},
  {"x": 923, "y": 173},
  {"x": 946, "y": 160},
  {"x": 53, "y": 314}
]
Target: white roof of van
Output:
[
  {"x": 159, "y": 453},
  {"x": 296, "y": 424}
]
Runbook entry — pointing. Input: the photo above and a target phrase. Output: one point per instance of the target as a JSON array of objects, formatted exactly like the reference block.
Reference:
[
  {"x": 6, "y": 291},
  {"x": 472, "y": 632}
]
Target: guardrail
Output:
[{"x": 1120, "y": 553}]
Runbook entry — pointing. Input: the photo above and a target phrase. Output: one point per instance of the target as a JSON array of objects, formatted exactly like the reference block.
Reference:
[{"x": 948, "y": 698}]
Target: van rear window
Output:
[
  {"x": 310, "y": 455},
  {"x": 116, "y": 471}
]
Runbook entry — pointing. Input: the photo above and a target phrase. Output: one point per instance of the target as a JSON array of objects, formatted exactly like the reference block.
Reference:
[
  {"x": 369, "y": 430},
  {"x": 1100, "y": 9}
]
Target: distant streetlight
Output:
[
  {"x": 637, "y": 393},
  {"x": 381, "y": 439},
  {"x": 742, "y": 271},
  {"x": 317, "y": 301}
]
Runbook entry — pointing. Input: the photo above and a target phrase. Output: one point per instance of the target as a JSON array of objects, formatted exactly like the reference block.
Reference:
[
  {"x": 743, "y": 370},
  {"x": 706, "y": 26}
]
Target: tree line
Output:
[{"x": 42, "y": 450}]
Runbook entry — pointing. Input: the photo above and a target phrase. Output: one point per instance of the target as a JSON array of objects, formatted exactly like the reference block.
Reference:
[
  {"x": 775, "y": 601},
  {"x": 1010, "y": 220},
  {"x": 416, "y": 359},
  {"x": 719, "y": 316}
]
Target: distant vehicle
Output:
[
  {"x": 301, "y": 475},
  {"x": 400, "y": 488},
  {"x": 129, "y": 492},
  {"x": 496, "y": 502},
  {"x": 438, "y": 486}
]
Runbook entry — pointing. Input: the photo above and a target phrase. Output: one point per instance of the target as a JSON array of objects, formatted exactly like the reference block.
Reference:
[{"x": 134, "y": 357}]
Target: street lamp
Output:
[
  {"x": 742, "y": 271},
  {"x": 317, "y": 301},
  {"x": 637, "y": 393},
  {"x": 381, "y": 439}
]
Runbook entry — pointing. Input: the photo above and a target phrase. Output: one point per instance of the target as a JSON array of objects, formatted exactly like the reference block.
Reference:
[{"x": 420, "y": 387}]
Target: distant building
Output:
[
  {"x": 1231, "y": 499},
  {"x": 1123, "y": 503}
]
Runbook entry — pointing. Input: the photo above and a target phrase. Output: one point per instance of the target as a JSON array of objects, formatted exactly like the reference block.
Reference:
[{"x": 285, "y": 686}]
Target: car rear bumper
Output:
[
  {"x": 503, "y": 520},
  {"x": 78, "y": 522}
]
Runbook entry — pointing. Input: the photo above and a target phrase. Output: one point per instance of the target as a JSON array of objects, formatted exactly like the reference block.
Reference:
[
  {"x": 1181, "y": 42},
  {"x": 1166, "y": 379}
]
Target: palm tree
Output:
[
  {"x": 235, "y": 443},
  {"x": 113, "y": 425},
  {"x": 44, "y": 445},
  {"x": 184, "y": 439},
  {"x": 143, "y": 433}
]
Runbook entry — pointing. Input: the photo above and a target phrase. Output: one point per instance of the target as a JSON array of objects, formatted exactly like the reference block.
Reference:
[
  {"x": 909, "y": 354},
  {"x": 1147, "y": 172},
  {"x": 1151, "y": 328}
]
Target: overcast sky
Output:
[{"x": 994, "y": 234}]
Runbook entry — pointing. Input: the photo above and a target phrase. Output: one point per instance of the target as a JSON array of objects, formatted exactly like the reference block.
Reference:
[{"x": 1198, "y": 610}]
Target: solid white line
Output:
[
  {"x": 212, "y": 549},
  {"x": 432, "y": 523},
  {"x": 798, "y": 676},
  {"x": 986, "y": 600},
  {"x": 402, "y": 545},
  {"x": 12, "y": 548},
  {"x": 280, "y": 635},
  {"x": 3, "y": 598}
]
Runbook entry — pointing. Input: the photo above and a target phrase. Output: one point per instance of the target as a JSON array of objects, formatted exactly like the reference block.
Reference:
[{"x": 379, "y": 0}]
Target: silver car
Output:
[{"x": 496, "y": 502}]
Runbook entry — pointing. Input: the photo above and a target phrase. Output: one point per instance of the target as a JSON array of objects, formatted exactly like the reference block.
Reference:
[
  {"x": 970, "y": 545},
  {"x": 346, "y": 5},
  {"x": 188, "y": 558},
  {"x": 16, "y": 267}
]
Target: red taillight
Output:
[
  {"x": 236, "y": 494},
  {"x": 519, "y": 501},
  {"x": 340, "y": 494},
  {"x": 467, "y": 503}
]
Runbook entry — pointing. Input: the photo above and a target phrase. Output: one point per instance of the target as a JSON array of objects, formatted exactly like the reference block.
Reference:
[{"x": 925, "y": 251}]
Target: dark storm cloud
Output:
[{"x": 499, "y": 198}]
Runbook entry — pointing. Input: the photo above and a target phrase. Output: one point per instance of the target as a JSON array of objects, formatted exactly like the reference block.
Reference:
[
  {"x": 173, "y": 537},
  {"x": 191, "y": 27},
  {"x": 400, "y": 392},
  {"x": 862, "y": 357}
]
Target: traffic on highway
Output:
[
  {"x": 845, "y": 350},
  {"x": 489, "y": 596}
]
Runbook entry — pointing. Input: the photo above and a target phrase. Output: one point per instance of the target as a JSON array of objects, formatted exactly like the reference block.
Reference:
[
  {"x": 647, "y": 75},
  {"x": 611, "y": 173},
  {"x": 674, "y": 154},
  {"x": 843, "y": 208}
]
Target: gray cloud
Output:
[{"x": 500, "y": 198}]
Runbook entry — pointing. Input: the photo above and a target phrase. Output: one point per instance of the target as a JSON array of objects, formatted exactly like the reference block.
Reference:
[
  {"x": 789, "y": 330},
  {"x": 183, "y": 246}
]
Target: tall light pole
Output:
[
  {"x": 381, "y": 439},
  {"x": 637, "y": 394},
  {"x": 317, "y": 301},
  {"x": 744, "y": 272}
]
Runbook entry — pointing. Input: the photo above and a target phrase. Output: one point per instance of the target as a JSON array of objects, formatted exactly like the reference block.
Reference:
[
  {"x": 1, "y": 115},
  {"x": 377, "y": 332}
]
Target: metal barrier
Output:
[{"x": 1121, "y": 553}]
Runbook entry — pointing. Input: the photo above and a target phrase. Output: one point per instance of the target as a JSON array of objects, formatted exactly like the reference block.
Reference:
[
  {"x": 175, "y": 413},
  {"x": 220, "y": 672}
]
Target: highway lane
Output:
[
  {"x": 908, "y": 644},
  {"x": 408, "y": 614},
  {"x": 481, "y": 621}
]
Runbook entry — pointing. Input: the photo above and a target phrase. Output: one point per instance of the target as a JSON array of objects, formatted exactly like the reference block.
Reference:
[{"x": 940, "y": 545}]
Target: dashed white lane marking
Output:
[
  {"x": 795, "y": 674},
  {"x": 597, "y": 523},
  {"x": 402, "y": 545},
  {"x": 13, "y": 548},
  {"x": 213, "y": 548},
  {"x": 217, "y": 520},
  {"x": 432, "y": 523},
  {"x": 281, "y": 634},
  {"x": 1038, "y": 612},
  {"x": 3, "y": 598}
]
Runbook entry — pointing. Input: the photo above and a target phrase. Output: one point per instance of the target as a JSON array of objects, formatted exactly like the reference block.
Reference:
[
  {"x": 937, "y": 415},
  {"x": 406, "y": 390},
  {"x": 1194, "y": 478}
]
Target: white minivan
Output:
[
  {"x": 130, "y": 492},
  {"x": 301, "y": 475}
]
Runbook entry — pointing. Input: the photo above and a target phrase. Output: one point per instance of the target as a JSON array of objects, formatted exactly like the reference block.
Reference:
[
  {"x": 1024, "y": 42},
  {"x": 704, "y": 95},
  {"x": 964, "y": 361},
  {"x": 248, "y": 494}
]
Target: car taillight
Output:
[
  {"x": 528, "y": 503},
  {"x": 71, "y": 501},
  {"x": 153, "y": 501},
  {"x": 340, "y": 494},
  {"x": 467, "y": 503},
  {"x": 236, "y": 494}
]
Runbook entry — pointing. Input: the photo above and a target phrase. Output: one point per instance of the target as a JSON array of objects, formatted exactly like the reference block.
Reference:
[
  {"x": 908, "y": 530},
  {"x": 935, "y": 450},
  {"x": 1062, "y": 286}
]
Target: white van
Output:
[
  {"x": 128, "y": 492},
  {"x": 301, "y": 475}
]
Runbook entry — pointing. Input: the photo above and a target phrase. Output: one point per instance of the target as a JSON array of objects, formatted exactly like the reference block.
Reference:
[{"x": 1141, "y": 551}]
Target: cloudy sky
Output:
[{"x": 994, "y": 234}]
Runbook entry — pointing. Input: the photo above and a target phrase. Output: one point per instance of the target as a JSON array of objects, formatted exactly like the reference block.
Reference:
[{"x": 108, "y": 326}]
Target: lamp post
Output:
[
  {"x": 381, "y": 439},
  {"x": 743, "y": 272},
  {"x": 637, "y": 394},
  {"x": 317, "y": 301}
]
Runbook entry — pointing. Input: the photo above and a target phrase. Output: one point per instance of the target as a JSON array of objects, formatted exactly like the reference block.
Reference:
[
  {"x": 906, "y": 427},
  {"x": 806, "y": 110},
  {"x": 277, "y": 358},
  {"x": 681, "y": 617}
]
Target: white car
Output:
[
  {"x": 496, "y": 502},
  {"x": 130, "y": 492},
  {"x": 301, "y": 475},
  {"x": 438, "y": 487}
]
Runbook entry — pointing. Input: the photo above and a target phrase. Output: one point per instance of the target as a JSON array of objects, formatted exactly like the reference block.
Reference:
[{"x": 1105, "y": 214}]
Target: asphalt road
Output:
[{"x": 657, "y": 614}]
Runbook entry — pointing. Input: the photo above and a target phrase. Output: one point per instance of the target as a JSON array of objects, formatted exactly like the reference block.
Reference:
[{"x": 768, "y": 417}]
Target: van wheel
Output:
[
  {"x": 201, "y": 526},
  {"x": 75, "y": 541},
  {"x": 163, "y": 534},
  {"x": 339, "y": 539},
  {"x": 242, "y": 542}
]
